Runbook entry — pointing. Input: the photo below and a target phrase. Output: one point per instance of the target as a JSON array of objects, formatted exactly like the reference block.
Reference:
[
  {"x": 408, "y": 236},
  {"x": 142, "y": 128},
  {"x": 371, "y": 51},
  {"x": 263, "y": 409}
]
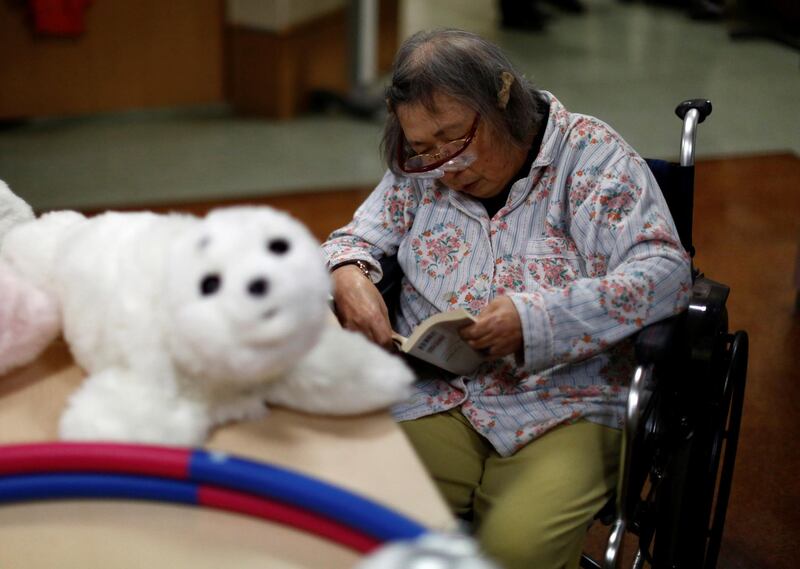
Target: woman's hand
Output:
[
  {"x": 498, "y": 329},
  {"x": 360, "y": 307}
]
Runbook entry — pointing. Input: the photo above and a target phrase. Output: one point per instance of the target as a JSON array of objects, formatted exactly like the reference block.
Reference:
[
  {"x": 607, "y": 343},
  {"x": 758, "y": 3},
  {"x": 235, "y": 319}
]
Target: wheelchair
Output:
[{"x": 684, "y": 406}]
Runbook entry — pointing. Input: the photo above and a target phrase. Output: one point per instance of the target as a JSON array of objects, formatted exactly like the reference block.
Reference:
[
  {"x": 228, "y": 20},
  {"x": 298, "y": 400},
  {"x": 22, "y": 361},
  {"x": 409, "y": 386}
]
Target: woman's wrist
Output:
[{"x": 362, "y": 267}]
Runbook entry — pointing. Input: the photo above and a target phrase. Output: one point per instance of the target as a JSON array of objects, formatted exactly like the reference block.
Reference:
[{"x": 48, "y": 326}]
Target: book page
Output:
[
  {"x": 441, "y": 345},
  {"x": 398, "y": 339},
  {"x": 454, "y": 318}
]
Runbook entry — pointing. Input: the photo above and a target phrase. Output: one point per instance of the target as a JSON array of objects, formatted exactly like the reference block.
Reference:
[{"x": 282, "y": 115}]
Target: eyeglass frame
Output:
[{"x": 467, "y": 141}]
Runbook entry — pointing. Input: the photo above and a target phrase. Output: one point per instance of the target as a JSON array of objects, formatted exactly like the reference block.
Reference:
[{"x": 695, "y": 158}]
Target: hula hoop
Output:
[
  {"x": 59, "y": 486},
  {"x": 214, "y": 470}
]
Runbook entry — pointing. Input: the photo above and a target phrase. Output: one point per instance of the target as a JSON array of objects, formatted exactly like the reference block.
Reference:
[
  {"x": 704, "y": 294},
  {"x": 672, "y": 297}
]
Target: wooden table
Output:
[{"x": 367, "y": 454}]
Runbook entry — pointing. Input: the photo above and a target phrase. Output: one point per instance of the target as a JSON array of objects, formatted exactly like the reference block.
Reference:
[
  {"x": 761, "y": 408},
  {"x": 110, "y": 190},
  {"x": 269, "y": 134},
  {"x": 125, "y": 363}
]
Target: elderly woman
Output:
[{"x": 550, "y": 229}]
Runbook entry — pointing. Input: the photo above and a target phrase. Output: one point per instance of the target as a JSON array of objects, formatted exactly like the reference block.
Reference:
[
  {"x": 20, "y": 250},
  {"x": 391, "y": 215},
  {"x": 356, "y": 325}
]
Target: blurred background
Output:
[
  {"x": 190, "y": 104},
  {"x": 144, "y": 102}
]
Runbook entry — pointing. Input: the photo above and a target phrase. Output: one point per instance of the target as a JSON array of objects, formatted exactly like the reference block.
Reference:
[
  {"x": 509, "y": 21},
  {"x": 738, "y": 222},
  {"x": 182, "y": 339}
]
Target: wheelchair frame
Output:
[{"x": 683, "y": 411}]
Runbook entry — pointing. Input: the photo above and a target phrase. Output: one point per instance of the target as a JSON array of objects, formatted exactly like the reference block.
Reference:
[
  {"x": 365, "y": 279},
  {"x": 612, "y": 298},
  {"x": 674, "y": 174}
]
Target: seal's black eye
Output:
[
  {"x": 258, "y": 287},
  {"x": 210, "y": 284},
  {"x": 278, "y": 246}
]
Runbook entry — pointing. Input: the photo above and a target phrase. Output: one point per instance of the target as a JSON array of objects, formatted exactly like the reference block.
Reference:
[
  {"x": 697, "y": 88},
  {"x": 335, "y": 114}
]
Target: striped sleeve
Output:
[
  {"x": 636, "y": 271},
  {"x": 377, "y": 227}
]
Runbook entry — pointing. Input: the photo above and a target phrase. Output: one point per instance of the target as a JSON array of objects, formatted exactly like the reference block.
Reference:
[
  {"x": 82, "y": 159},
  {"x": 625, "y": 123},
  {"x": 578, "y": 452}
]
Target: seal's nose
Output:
[{"x": 258, "y": 287}]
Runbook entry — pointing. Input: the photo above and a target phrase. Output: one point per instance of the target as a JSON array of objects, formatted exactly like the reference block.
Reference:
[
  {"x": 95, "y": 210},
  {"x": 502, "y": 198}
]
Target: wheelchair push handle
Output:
[
  {"x": 703, "y": 107},
  {"x": 692, "y": 112}
]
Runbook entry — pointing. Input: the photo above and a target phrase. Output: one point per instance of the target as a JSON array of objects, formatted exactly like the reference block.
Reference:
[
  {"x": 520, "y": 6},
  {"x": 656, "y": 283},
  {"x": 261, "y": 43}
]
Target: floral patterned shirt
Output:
[{"x": 585, "y": 248}]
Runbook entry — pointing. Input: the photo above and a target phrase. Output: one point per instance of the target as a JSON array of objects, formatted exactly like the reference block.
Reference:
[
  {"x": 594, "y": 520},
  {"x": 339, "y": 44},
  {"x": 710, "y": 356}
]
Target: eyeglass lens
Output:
[{"x": 419, "y": 161}]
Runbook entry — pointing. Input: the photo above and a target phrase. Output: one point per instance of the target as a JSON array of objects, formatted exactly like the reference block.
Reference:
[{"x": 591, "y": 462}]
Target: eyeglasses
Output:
[{"x": 442, "y": 159}]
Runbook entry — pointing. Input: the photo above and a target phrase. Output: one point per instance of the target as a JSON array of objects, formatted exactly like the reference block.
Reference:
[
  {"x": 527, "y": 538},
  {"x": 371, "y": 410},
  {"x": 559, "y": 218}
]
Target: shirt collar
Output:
[{"x": 555, "y": 128}]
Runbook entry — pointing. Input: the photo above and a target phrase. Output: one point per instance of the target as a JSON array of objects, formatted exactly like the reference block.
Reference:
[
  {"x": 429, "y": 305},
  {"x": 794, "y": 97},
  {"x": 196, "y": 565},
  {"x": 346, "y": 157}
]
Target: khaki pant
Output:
[{"x": 531, "y": 510}]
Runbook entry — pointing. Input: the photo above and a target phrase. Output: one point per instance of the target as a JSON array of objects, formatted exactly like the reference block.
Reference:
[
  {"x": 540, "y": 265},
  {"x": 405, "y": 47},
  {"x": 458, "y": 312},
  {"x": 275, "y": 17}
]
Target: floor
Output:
[
  {"x": 626, "y": 63},
  {"x": 752, "y": 243}
]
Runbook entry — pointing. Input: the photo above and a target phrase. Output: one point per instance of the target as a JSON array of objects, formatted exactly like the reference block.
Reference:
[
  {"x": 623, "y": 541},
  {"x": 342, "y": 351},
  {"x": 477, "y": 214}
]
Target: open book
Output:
[{"x": 436, "y": 341}]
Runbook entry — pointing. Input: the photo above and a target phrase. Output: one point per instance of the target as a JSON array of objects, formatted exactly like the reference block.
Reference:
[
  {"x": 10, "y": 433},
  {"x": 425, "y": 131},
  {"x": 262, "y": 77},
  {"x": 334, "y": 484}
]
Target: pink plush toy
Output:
[{"x": 29, "y": 317}]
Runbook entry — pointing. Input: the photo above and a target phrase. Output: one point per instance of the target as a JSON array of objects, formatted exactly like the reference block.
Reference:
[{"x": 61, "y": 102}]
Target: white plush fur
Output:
[
  {"x": 13, "y": 210},
  {"x": 434, "y": 549},
  {"x": 29, "y": 318},
  {"x": 185, "y": 323}
]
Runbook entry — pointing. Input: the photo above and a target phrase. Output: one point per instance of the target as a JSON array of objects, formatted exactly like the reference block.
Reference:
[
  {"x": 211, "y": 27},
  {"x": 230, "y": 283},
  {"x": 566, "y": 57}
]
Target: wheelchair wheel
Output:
[
  {"x": 727, "y": 435},
  {"x": 697, "y": 484}
]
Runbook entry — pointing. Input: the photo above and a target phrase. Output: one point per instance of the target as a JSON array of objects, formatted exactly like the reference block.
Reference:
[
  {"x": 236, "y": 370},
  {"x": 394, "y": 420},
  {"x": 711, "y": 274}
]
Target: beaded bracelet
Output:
[{"x": 362, "y": 266}]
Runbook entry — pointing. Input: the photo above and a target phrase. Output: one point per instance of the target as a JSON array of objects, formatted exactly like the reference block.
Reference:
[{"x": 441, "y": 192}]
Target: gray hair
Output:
[{"x": 467, "y": 68}]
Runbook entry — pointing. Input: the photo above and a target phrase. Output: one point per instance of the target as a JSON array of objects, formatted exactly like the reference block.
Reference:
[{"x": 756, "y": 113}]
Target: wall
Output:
[
  {"x": 273, "y": 69},
  {"x": 264, "y": 56},
  {"x": 277, "y": 15},
  {"x": 134, "y": 54}
]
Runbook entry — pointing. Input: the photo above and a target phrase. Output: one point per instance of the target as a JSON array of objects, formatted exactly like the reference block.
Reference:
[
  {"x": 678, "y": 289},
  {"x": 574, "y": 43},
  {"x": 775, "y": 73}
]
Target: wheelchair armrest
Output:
[{"x": 701, "y": 322}]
